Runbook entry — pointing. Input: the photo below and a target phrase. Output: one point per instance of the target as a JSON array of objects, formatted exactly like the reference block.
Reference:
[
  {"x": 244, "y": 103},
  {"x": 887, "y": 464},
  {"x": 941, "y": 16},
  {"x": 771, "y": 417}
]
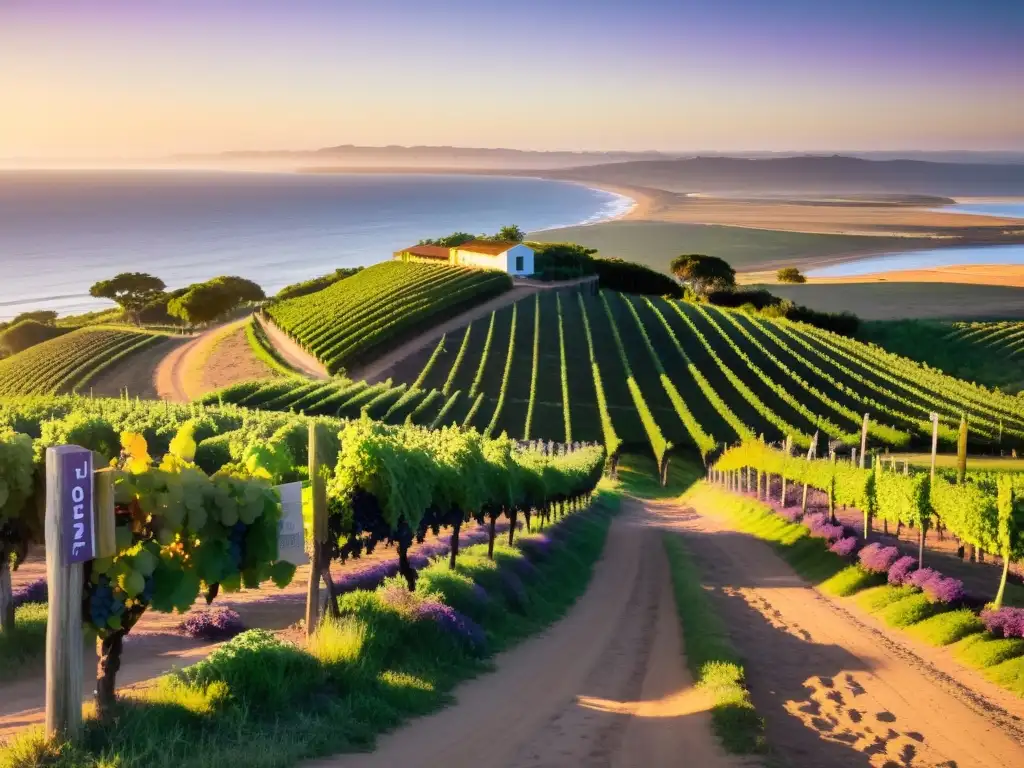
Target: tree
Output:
[
  {"x": 790, "y": 275},
  {"x": 703, "y": 273},
  {"x": 244, "y": 290},
  {"x": 453, "y": 240},
  {"x": 130, "y": 290},
  {"x": 510, "y": 234},
  {"x": 203, "y": 303},
  {"x": 41, "y": 316}
]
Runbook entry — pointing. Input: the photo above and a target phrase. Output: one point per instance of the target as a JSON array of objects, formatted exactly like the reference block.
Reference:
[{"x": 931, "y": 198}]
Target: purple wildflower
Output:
[
  {"x": 536, "y": 548},
  {"x": 1005, "y": 622},
  {"x": 513, "y": 590},
  {"x": 212, "y": 624},
  {"x": 899, "y": 572},
  {"x": 480, "y": 594},
  {"x": 844, "y": 547},
  {"x": 454, "y": 623},
  {"x": 921, "y": 577},
  {"x": 828, "y": 532},
  {"x": 814, "y": 521},
  {"x": 792, "y": 514},
  {"x": 33, "y": 592},
  {"x": 944, "y": 590},
  {"x": 878, "y": 559},
  {"x": 523, "y": 568}
]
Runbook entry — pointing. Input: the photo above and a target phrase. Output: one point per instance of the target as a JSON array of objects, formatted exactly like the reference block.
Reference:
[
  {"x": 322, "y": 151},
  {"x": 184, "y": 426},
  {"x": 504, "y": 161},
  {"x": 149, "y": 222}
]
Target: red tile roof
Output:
[{"x": 426, "y": 251}]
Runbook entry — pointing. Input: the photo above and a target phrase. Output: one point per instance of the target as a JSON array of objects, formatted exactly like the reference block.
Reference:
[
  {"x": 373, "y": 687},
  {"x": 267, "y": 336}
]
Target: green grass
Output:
[
  {"x": 711, "y": 657},
  {"x": 638, "y": 476},
  {"x": 1009, "y": 674},
  {"x": 26, "y": 645},
  {"x": 910, "y": 610},
  {"x": 982, "y": 650},
  {"x": 261, "y": 702},
  {"x": 948, "y": 461},
  {"x": 850, "y": 580},
  {"x": 948, "y": 627},
  {"x": 875, "y": 599}
]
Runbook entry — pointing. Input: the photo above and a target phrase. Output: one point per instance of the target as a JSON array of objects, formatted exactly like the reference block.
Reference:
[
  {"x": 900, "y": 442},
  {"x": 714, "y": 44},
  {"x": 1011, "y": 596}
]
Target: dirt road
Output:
[
  {"x": 137, "y": 373},
  {"x": 606, "y": 686},
  {"x": 833, "y": 690},
  {"x": 293, "y": 354}
]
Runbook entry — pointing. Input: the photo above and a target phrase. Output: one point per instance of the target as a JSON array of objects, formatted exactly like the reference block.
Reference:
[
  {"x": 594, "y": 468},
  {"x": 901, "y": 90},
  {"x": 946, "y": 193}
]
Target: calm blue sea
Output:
[
  {"x": 61, "y": 231},
  {"x": 939, "y": 257}
]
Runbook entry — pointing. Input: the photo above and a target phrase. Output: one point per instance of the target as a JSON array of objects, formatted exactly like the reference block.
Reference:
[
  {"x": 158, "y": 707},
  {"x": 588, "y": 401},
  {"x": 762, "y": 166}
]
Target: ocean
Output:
[{"x": 61, "y": 231}]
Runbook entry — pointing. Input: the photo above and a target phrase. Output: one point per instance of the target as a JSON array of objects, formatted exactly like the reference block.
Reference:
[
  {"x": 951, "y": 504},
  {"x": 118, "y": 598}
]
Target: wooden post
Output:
[
  {"x": 863, "y": 440},
  {"x": 803, "y": 501},
  {"x": 6, "y": 598},
  {"x": 319, "y": 500},
  {"x": 70, "y": 542},
  {"x": 782, "y": 496},
  {"x": 935, "y": 443}
]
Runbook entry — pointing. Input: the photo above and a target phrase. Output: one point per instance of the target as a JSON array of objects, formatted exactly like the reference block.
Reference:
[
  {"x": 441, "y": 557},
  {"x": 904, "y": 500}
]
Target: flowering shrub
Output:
[
  {"x": 480, "y": 594},
  {"x": 792, "y": 514},
  {"x": 921, "y": 577},
  {"x": 899, "y": 573},
  {"x": 523, "y": 568},
  {"x": 814, "y": 521},
  {"x": 536, "y": 548},
  {"x": 212, "y": 624},
  {"x": 34, "y": 592},
  {"x": 944, "y": 590},
  {"x": 844, "y": 546},
  {"x": 461, "y": 627},
  {"x": 828, "y": 532},
  {"x": 878, "y": 559},
  {"x": 1006, "y": 622},
  {"x": 513, "y": 590}
]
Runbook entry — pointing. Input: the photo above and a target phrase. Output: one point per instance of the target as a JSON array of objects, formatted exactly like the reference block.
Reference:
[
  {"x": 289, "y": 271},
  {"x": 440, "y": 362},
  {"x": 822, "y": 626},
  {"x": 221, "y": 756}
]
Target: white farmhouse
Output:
[{"x": 514, "y": 258}]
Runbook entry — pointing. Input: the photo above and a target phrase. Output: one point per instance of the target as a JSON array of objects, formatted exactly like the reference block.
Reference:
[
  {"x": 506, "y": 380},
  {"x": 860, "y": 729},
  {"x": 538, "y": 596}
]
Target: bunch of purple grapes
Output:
[{"x": 103, "y": 604}]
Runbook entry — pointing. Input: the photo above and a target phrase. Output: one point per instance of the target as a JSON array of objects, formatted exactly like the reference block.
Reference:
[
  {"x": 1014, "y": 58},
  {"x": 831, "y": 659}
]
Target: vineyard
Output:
[
  {"x": 659, "y": 374},
  {"x": 71, "y": 361},
  {"x": 1004, "y": 339},
  {"x": 345, "y": 323}
]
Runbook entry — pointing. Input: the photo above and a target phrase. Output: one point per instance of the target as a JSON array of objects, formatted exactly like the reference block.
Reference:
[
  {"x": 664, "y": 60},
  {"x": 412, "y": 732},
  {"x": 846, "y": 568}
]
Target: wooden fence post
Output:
[
  {"x": 70, "y": 541},
  {"x": 319, "y": 499}
]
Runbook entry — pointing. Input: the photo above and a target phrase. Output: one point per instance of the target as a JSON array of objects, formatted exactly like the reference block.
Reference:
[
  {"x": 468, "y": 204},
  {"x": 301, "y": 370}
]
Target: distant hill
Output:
[{"x": 807, "y": 174}]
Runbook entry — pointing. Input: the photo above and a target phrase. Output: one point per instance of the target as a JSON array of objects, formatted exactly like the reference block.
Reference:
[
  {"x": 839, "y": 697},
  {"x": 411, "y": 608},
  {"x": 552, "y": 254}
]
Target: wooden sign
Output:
[{"x": 76, "y": 503}]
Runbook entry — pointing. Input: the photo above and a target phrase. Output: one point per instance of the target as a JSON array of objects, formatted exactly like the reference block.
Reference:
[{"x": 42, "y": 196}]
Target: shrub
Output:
[
  {"x": 790, "y": 275},
  {"x": 844, "y": 547},
  {"x": 900, "y": 570},
  {"x": 945, "y": 590},
  {"x": 212, "y": 624},
  {"x": 460, "y": 627},
  {"x": 922, "y": 576},
  {"x": 878, "y": 559},
  {"x": 25, "y": 334},
  {"x": 33, "y": 592},
  {"x": 627, "y": 277},
  {"x": 1005, "y": 622}
]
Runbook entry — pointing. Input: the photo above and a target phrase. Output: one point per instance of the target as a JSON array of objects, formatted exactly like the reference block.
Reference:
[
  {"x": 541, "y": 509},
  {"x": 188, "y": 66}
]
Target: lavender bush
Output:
[
  {"x": 922, "y": 576},
  {"x": 1006, "y": 622},
  {"x": 33, "y": 592},
  {"x": 828, "y": 532},
  {"x": 899, "y": 573},
  {"x": 944, "y": 589},
  {"x": 878, "y": 559},
  {"x": 815, "y": 520},
  {"x": 845, "y": 546},
  {"x": 212, "y": 624},
  {"x": 792, "y": 514},
  {"x": 459, "y": 626},
  {"x": 513, "y": 589},
  {"x": 536, "y": 548}
]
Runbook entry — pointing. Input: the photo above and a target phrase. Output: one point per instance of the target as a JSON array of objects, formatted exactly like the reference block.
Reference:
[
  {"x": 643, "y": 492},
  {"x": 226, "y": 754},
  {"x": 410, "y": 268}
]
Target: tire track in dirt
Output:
[
  {"x": 833, "y": 691},
  {"x": 605, "y": 686}
]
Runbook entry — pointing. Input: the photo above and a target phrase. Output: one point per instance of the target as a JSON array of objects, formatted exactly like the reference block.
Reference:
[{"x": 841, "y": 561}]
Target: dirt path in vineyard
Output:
[
  {"x": 834, "y": 690},
  {"x": 605, "y": 686}
]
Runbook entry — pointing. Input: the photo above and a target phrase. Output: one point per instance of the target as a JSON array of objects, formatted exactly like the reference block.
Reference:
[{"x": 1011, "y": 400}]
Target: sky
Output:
[{"x": 149, "y": 78}]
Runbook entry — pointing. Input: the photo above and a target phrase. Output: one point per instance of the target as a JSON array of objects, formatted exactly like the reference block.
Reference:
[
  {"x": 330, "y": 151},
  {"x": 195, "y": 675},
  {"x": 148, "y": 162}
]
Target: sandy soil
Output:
[
  {"x": 1010, "y": 275},
  {"x": 835, "y": 690},
  {"x": 138, "y": 372},
  {"x": 229, "y": 360},
  {"x": 605, "y": 686},
  {"x": 292, "y": 353}
]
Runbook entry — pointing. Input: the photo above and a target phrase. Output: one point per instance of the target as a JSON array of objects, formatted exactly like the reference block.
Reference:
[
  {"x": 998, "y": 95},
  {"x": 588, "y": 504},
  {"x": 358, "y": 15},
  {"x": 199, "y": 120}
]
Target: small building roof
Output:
[
  {"x": 427, "y": 251},
  {"x": 488, "y": 247}
]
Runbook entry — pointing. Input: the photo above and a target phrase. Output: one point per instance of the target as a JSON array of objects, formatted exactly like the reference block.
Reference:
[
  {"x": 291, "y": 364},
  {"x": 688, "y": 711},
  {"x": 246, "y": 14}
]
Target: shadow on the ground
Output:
[{"x": 638, "y": 476}]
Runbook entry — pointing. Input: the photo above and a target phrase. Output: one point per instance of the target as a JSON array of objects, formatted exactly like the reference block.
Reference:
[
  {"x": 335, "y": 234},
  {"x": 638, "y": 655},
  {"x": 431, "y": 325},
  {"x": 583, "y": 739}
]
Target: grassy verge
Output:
[
  {"x": 711, "y": 657},
  {"x": 638, "y": 476},
  {"x": 264, "y": 350},
  {"x": 25, "y": 647},
  {"x": 263, "y": 702},
  {"x": 999, "y": 660}
]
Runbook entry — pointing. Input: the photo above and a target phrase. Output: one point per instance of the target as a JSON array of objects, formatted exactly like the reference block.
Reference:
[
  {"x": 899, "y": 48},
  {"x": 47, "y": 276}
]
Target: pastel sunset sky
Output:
[{"x": 136, "y": 78}]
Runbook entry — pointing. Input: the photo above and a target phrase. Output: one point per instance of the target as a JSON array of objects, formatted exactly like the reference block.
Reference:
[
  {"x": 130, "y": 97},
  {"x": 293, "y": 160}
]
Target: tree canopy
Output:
[
  {"x": 703, "y": 273},
  {"x": 130, "y": 290},
  {"x": 511, "y": 233},
  {"x": 790, "y": 275},
  {"x": 205, "y": 302},
  {"x": 453, "y": 240}
]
